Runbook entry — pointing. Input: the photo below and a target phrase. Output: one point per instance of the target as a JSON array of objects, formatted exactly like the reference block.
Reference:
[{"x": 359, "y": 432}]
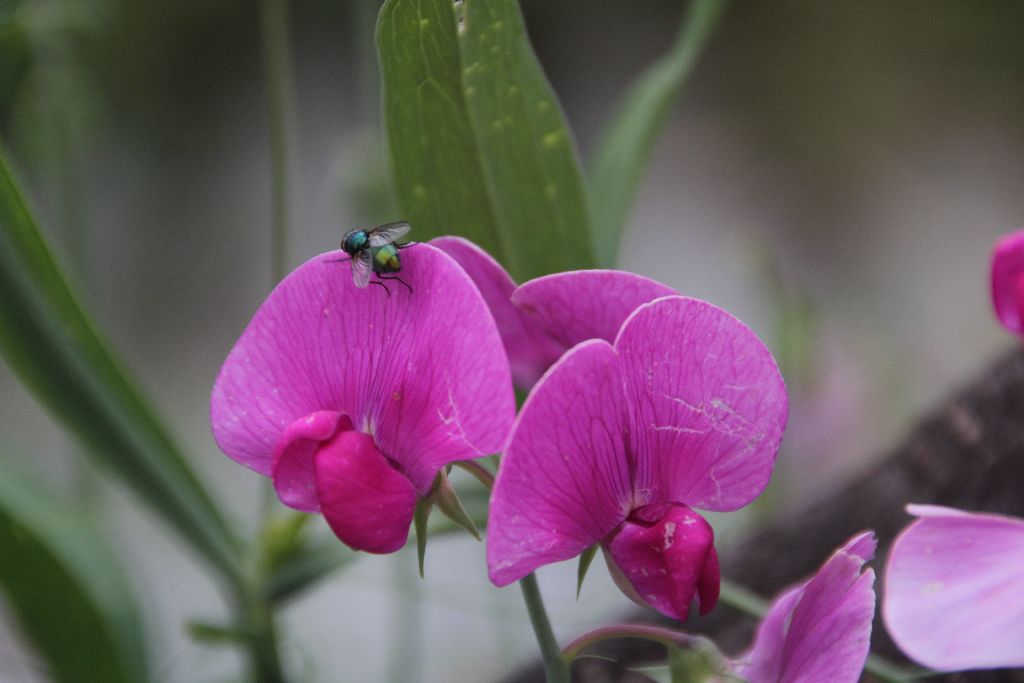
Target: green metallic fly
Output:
[{"x": 375, "y": 252}]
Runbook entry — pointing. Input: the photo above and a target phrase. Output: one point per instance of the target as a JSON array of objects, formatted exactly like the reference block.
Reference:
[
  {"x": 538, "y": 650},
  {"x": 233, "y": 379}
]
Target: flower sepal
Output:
[
  {"x": 444, "y": 497},
  {"x": 702, "y": 662},
  {"x": 691, "y": 658},
  {"x": 419, "y": 522},
  {"x": 586, "y": 559}
]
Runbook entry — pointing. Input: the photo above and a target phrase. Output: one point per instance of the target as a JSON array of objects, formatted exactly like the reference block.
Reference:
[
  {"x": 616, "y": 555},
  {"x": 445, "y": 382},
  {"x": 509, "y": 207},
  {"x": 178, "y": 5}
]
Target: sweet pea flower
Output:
[
  {"x": 352, "y": 401},
  {"x": 954, "y": 589},
  {"x": 1008, "y": 281},
  {"x": 821, "y": 629},
  {"x": 547, "y": 316},
  {"x": 619, "y": 443}
]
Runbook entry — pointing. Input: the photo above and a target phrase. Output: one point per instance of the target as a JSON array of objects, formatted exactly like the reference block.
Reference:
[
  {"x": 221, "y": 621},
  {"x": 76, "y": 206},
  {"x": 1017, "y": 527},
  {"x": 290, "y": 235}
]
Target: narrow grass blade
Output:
[
  {"x": 53, "y": 347},
  {"x": 626, "y": 145},
  {"x": 65, "y": 588}
]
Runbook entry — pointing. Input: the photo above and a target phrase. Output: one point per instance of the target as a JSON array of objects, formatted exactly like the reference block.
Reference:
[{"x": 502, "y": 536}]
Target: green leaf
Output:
[
  {"x": 66, "y": 588},
  {"x": 586, "y": 558},
  {"x": 626, "y": 145},
  {"x": 477, "y": 141},
  {"x": 53, "y": 347},
  {"x": 527, "y": 151},
  {"x": 15, "y": 58},
  {"x": 436, "y": 173}
]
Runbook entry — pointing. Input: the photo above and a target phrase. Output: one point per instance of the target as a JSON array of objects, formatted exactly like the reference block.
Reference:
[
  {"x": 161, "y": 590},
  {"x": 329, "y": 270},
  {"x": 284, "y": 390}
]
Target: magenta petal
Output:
[
  {"x": 367, "y": 503},
  {"x": 667, "y": 560},
  {"x": 710, "y": 403},
  {"x": 564, "y": 482},
  {"x": 586, "y": 304},
  {"x": 392, "y": 364},
  {"x": 530, "y": 350},
  {"x": 954, "y": 589},
  {"x": 818, "y": 631},
  {"x": 292, "y": 470},
  {"x": 1008, "y": 281}
]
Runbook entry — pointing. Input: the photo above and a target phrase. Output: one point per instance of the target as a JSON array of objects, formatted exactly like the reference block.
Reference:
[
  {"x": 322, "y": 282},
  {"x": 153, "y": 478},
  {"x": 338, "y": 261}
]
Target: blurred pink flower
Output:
[
  {"x": 821, "y": 629},
  {"x": 1008, "y": 281},
  {"x": 352, "y": 401},
  {"x": 618, "y": 442},
  {"x": 954, "y": 589},
  {"x": 545, "y": 317}
]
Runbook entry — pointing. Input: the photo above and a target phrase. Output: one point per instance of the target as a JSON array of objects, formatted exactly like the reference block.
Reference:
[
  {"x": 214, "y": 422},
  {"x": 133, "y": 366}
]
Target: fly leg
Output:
[
  {"x": 386, "y": 290},
  {"x": 397, "y": 279}
]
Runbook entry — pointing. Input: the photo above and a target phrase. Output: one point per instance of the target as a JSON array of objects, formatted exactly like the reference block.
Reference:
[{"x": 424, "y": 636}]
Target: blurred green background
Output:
[{"x": 834, "y": 174}]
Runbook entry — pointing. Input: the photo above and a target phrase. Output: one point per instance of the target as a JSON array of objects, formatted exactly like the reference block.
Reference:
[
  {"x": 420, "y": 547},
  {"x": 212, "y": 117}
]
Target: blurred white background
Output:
[{"x": 858, "y": 159}]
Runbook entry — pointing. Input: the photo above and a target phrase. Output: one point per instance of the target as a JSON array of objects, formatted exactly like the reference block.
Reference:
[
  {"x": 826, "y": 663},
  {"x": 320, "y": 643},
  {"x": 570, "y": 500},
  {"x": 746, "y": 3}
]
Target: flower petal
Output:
[
  {"x": 710, "y": 405},
  {"x": 530, "y": 350},
  {"x": 563, "y": 483},
  {"x": 292, "y": 471},
  {"x": 586, "y": 304},
  {"x": 367, "y": 503},
  {"x": 953, "y": 589},
  {"x": 819, "y": 631},
  {"x": 666, "y": 560},
  {"x": 390, "y": 363},
  {"x": 1008, "y": 281}
]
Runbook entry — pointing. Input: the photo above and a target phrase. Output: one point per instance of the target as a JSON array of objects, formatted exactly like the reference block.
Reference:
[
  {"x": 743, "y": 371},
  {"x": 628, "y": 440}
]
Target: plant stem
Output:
[
  {"x": 261, "y": 641},
  {"x": 742, "y": 599},
  {"x": 645, "y": 631},
  {"x": 556, "y": 668},
  {"x": 259, "y": 615},
  {"x": 277, "y": 65},
  {"x": 277, "y": 56},
  {"x": 407, "y": 623}
]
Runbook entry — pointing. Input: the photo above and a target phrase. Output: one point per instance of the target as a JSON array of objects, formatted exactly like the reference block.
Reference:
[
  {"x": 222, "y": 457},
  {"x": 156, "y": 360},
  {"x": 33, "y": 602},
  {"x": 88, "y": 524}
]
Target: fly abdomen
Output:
[{"x": 385, "y": 259}]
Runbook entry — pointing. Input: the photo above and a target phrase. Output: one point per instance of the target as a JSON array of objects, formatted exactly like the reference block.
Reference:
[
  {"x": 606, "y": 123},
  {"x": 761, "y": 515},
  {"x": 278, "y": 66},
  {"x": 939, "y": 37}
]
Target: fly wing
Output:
[
  {"x": 362, "y": 268},
  {"x": 388, "y": 233}
]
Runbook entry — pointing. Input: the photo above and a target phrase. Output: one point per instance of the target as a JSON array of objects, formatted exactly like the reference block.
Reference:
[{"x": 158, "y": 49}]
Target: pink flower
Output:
[
  {"x": 546, "y": 316},
  {"x": 1008, "y": 281},
  {"x": 619, "y": 442},
  {"x": 821, "y": 629},
  {"x": 954, "y": 589},
  {"x": 352, "y": 401}
]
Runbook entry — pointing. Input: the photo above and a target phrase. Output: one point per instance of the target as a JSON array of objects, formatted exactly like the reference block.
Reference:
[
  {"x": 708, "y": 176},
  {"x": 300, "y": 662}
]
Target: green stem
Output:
[
  {"x": 742, "y": 600},
  {"x": 888, "y": 672},
  {"x": 556, "y": 668},
  {"x": 277, "y": 64},
  {"x": 261, "y": 642},
  {"x": 407, "y": 623},
  {"x": 277, "y": 55},
  {"x": 658, "y": 634}
]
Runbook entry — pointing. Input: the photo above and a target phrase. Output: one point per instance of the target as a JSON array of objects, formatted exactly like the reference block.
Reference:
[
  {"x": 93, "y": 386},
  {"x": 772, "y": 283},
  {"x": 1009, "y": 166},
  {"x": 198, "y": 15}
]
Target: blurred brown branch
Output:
[{"x": 968, "y": 453}]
